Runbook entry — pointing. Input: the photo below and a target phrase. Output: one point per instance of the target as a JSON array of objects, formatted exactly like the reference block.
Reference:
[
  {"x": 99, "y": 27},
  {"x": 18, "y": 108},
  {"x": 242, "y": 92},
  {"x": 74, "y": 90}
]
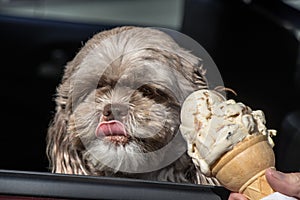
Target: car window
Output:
[{"x": 167, "y": 13}]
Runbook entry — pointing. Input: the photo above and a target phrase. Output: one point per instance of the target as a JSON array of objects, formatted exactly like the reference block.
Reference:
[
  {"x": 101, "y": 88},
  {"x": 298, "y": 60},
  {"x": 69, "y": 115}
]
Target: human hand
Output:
[
  {"x": 285, "y": 183},
  {"x": 236, "y": 196}
]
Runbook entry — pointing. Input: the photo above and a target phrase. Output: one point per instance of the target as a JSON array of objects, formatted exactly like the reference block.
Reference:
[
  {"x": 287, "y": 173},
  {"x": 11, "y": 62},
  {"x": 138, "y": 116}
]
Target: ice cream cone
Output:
[{"x": 242, "y": 169}]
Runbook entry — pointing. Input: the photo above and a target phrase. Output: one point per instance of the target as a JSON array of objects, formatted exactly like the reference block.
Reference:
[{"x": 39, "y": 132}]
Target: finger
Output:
[
  {"x": 236, "y": 196},
  {"x": 285, "y": 183}
]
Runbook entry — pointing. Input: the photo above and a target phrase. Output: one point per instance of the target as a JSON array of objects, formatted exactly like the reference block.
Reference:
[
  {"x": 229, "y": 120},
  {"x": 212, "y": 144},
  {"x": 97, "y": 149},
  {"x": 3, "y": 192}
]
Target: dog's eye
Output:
[
  {"x": 147, "y": 91},
  {"x": 100, "y": 84},
  {"x": 160, "y": 93}
]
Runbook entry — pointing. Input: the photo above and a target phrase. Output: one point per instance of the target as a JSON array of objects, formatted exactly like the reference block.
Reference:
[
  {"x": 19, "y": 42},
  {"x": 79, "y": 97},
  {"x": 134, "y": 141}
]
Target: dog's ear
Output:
[
  {"x": 192, "y": 69},
  {"x": 199, "y": 76},
  {"x": 62, "y": 147}
]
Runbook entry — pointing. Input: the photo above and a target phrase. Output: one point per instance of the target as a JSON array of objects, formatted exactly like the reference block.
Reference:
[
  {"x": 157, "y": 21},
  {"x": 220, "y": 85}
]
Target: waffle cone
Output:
[{"x": 243, "y": 168}]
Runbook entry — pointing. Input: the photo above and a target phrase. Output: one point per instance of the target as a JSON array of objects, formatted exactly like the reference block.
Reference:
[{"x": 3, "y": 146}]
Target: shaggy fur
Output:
[{"x": 138, "y": 78}]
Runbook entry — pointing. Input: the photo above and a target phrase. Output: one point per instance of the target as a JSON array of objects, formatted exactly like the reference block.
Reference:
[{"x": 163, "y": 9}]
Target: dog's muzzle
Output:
[{"x": 111, "y": 127}]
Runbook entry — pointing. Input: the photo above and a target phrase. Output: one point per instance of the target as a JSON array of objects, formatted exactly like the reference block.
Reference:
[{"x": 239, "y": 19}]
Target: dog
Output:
[{"x": 118, "y": 108}]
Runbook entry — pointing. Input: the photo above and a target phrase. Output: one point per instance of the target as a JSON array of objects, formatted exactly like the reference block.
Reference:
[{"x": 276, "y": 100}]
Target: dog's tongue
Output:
[{"x": 110, "y": 128}]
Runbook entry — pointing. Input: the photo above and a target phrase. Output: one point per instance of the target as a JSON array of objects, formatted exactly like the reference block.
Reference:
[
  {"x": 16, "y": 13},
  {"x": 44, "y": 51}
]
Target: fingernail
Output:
[{"x": 276, "y": 174}]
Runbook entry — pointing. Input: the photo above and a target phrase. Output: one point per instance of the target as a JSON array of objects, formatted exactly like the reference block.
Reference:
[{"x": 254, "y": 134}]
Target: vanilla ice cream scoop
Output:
[{"x": 212, "y": 125}]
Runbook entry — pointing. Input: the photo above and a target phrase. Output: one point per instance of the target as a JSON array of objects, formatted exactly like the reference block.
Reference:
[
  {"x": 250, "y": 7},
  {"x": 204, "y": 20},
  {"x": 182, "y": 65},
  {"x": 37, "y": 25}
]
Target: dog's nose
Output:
[{"x": 114, "y": 111}]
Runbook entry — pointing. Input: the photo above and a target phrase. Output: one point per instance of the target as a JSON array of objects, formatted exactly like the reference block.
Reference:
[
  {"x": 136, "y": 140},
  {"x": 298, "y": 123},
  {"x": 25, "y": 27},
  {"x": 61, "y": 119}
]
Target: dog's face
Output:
[
  {"x": 120, "y": 121},
  {"x": 118, "y": 105}
]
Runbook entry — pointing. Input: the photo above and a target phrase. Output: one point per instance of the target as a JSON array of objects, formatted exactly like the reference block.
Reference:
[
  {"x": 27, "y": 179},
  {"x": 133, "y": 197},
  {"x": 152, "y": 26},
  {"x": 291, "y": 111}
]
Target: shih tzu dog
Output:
[{"x": 118, "y": 108}]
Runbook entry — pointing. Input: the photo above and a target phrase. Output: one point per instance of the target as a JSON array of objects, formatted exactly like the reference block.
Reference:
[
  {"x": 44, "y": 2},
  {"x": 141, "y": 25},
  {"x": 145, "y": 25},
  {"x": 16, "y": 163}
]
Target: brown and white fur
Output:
[{"x": 134, "y": 79}]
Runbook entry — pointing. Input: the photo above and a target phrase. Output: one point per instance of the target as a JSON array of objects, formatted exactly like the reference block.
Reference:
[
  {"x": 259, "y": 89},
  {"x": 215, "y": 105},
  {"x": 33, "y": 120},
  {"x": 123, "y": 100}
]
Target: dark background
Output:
[{"x": 254, "y": 44}]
